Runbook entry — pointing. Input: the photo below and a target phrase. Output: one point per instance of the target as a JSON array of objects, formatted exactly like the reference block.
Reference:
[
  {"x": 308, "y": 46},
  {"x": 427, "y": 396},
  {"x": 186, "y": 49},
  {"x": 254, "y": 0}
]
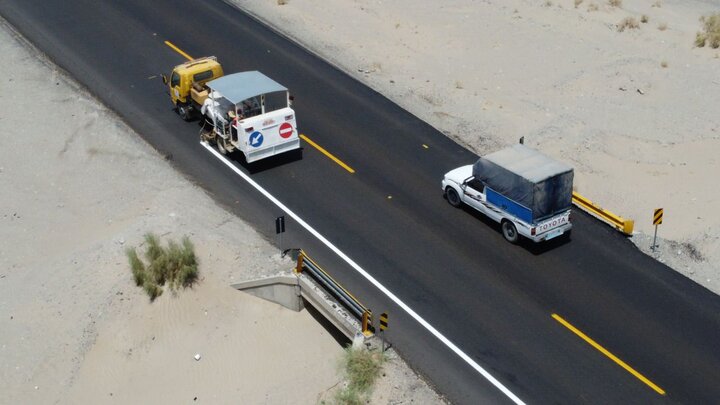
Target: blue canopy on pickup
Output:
[{"x": 237, "y": 87}]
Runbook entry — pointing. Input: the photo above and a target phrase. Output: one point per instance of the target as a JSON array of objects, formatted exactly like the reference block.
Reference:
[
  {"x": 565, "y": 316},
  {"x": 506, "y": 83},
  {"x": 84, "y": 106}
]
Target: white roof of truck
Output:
[
  {"x": 237, "y": 87},
  {"x": 528, "y": 163}
]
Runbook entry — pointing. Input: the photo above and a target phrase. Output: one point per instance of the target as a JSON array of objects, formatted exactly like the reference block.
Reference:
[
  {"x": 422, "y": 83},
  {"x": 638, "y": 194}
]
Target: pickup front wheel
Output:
[
  {"x": 452, "y": 197},
  {"x": 509, "y": 231}
]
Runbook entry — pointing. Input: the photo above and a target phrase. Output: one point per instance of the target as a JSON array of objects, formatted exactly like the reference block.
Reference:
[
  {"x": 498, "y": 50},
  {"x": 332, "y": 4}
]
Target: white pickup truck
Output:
[{"x": 528, "y": 193}]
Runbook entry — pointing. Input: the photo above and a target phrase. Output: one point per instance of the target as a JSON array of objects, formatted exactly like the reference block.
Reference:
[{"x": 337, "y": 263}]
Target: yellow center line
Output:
[
  {"x": 608, "y": 354},
  {"x": 328, "y": 154},
  {"x": 178, "y": 50}
]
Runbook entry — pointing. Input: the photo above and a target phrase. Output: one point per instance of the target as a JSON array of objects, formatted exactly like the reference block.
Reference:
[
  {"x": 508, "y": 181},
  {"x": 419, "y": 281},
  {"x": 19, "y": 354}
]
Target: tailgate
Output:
[{"x": 553, "y": 223}]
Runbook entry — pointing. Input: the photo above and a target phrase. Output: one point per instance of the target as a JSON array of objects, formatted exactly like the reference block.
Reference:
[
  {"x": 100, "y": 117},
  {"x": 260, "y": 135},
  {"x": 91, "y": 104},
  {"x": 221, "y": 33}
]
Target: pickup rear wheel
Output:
[
  {"x": 509, "y": 231},
  {"x": 453, "y": 197}
]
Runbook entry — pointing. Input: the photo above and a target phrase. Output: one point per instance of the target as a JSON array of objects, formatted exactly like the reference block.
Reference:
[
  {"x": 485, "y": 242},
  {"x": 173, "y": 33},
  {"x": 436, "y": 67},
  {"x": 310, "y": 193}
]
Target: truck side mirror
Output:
[
  {"x": 292, "y": 98},
  {"x": 164, "y": 79}
]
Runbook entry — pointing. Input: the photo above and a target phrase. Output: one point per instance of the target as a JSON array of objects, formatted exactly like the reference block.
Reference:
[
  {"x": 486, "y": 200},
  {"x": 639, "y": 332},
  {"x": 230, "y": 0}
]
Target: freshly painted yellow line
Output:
[
  {"x": 178, "y": 50},
  {"x": 328, "y": 154},
  {"x": 608, "y": 354}
]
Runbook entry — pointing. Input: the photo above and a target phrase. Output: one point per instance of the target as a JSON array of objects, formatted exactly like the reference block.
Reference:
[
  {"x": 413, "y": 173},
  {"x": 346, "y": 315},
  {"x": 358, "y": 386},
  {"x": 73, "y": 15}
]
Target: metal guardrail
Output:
[
  {"x": 352, "y": 304},
  {"x": 623, "y": 225}
]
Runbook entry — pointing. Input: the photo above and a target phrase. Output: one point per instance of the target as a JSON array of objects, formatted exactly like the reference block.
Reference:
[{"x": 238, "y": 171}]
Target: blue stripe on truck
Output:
[{"x": 511, "y": 207}]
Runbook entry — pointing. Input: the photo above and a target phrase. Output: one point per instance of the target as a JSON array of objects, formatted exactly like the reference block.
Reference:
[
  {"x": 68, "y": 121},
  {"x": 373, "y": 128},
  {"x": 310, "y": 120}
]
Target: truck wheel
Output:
[
  {"x": 183, "y": 111},
  {"x": 452, "y": 197},
  {"x": 509, "y": 231},
  {"x": 220, "y": 143}
]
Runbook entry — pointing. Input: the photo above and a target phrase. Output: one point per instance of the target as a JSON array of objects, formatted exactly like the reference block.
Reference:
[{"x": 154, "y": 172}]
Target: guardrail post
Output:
[
  {"x": 367, "y": 322},
  {"x": 628, "y": 226},
  {"x": 298, "y": 268}
]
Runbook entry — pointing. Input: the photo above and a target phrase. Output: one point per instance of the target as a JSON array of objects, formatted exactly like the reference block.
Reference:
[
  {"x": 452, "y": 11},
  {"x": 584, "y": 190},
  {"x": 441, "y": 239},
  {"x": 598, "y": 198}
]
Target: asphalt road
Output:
[{"x": 492, "y": 299}]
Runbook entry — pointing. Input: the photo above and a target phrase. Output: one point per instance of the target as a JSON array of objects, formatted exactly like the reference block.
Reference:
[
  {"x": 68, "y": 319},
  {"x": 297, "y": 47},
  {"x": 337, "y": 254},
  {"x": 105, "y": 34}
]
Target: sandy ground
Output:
[
  {"x": 78, "y": 187},
  {"x": 635, "y": 112}
]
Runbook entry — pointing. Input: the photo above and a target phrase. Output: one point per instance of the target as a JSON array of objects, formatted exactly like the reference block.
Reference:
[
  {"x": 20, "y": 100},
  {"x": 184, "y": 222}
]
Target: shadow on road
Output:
[{"x": 532, "y": 247}]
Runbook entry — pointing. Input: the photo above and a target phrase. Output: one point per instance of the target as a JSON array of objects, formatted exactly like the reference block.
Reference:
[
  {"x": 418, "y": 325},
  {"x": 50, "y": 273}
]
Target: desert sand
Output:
[
  {"x": 78, "y": 188},
  {"x": 635, "y": 112}
]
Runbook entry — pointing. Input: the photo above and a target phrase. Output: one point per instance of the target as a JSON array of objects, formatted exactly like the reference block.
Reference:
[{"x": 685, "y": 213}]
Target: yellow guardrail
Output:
[{"x": 621, "y": 224}]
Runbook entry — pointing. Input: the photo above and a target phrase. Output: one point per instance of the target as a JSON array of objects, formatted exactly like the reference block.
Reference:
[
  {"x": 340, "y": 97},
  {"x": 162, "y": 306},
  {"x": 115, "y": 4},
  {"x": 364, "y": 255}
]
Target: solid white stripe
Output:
[{"x": 370, "y": 278}]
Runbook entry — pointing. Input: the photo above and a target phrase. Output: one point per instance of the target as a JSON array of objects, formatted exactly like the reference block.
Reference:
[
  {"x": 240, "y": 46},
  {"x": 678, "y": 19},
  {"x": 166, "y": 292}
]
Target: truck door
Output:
[
  {"x": 474, "y": 191},
  {"x": 175, "y": 87}
]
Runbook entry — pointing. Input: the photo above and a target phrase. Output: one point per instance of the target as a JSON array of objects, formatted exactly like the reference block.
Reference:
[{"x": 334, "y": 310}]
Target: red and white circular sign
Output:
[{"x": 286, "y": 130}]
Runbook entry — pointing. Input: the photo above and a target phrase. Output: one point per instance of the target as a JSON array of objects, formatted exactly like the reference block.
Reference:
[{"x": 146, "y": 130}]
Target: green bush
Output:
[
  {"x": 349, "y": 396},
  {"x": 153, "y": 290},
  {"x": 362, "y": 368},
  {"x": 137, "y": 267},
  {"x": 174, "y": 265}
]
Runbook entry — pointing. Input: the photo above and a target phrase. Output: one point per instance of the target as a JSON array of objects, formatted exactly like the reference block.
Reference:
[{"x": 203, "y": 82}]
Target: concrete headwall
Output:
[
  {"x": 291, "y": 291},
  {"x": 283, "y": 290}
]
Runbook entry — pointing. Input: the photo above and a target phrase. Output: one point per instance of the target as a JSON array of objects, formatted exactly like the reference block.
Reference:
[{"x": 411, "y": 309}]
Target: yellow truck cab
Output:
[{"x": 187, "y": 84}]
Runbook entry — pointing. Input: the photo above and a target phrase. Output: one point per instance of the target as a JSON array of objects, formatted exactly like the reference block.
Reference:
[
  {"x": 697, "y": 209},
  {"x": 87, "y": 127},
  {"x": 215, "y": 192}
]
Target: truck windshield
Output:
[
  {"x": 175, "y": 79},
  {"x": 275, "y": 101},
  {"x": 249, "y": 107}
]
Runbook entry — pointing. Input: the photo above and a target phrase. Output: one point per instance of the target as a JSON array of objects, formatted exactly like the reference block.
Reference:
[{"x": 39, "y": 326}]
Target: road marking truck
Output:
[
  {"x": 245, "y": 111},
  {"x": 527, "y": 192}
]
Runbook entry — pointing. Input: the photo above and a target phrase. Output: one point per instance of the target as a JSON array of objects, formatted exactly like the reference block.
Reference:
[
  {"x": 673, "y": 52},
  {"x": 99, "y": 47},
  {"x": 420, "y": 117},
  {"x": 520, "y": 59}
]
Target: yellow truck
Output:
[
  {"x": 247, "y": 111},
  {"x": 188, "y": 84}
]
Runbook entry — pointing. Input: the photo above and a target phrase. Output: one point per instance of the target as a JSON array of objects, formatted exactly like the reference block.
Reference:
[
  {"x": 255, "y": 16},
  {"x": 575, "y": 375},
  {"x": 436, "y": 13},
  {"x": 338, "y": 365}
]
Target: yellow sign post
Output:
[{"x": 657, "y": 220}]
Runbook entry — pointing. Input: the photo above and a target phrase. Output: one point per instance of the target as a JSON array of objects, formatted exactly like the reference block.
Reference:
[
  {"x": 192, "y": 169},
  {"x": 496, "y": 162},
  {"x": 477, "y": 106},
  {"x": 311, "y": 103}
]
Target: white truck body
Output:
[
  {"x": 472, "y": 193},
  {"x": 243, "y": 119}
]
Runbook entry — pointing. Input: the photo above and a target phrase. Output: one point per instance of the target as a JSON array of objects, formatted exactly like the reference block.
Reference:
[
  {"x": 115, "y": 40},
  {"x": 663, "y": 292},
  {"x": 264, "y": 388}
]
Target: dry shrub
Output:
[
  {"x": 662, "y": 26},
  {"x": 700, "y": 39},
  {"x": 644, "y": 19},
  {"x": 577, "y": 3},
  {"x": 615, "y": 3},
  {"x": 657, "y": 4},
  {"x": 628, "y": 23},
  {"x": 592, "y": 7},
  {"x": 711, "y": 36},
  {"x": 548, "y": 3},
  {"x": 664, "y": 64},
  {"x": 281, "y": 2}
]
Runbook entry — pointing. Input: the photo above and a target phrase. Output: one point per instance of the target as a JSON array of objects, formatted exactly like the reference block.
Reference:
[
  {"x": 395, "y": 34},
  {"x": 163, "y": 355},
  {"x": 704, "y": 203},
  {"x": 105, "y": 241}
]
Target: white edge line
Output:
[{"x": 370, "y": 278}]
